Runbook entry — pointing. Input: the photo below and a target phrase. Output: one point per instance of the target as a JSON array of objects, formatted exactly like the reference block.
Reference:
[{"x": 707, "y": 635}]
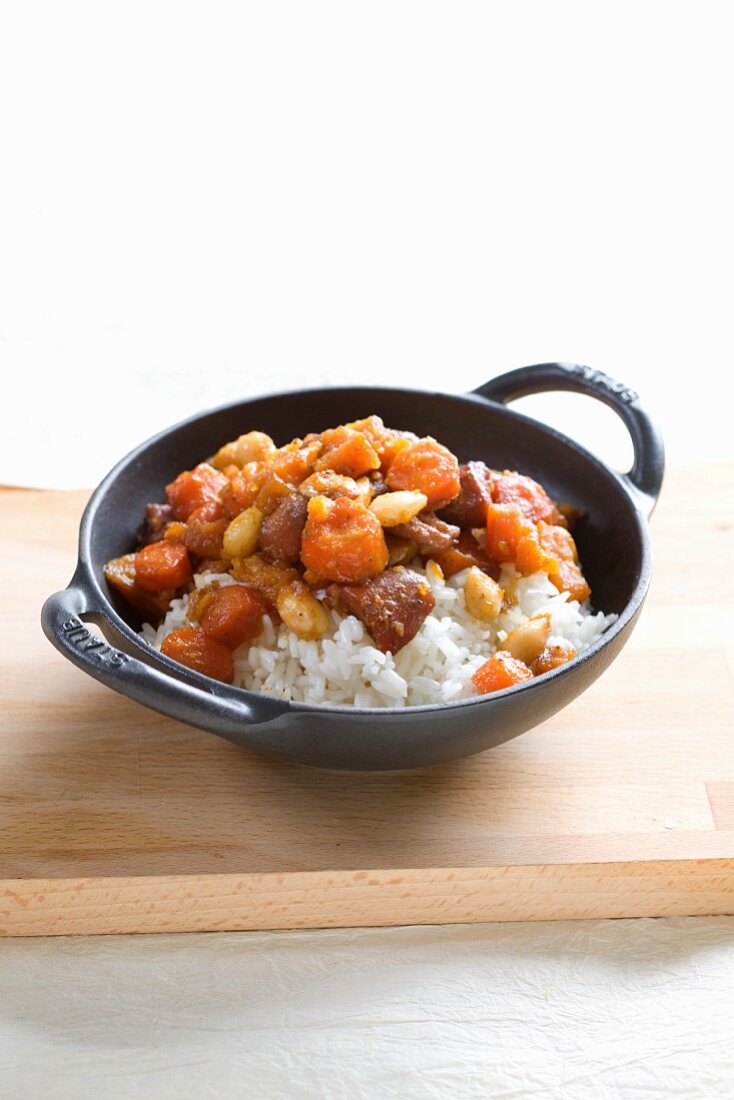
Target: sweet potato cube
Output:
[
  {"x": 429, "y": 468},
  {"x": 343, "y": 541},
  {"x": 233, "y": 615},
  {"x": 162, "y": 566},
  {"x": 193, "y": 648},
  {"x": 193, "y": 489},
  {"x": 499, "y": 672},
  {"x": 348, "y": 452},
  {"x": 527, "y": 495}
]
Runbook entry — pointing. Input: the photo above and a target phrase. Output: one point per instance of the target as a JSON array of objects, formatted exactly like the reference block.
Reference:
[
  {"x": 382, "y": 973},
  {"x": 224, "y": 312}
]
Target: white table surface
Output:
[
  {"x": 583, "y": 1010},
  {"x": 197, "y": 204}
]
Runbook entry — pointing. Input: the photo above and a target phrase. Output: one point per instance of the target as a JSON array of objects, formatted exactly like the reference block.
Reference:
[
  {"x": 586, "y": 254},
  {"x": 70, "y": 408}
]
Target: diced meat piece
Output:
[
  {"x": 392, "y": 607},
  {"x": 281, "y": 531},
  {"x": 326, "y": 483},
  {"x": 191, "y": 647},
  {"x": 193, "y": 488},
  {"x": 213, "y": 565},
  {"x": 499, "y": 672},
  {"x": 162, "y": 567},
  {"x": 204, "y": 537},
  {"x": 469, "y": 508},
  {"x": 156, "y": 518},
  {"x": 430, "y": 534},
  {"x": 429, "y": 468},
  {"x": 120, "y": 575},
  {"x": 234, "y": 614},
  {"x": 527, "y": 495},
  {"x": 401, "y": 551},
  {"x": 342, "y": 541},
  {"x": 553, "y": 656},
  {"x": 467, "y": 553},
  {"x": 267, "y": 577}
]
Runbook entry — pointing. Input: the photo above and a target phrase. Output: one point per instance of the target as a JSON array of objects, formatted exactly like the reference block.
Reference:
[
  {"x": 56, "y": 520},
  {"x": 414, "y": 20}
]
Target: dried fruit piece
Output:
[
  {"x": 233, "y": 615},
  {"x": 162, "y": 567},
  {"x": 191, "y": 647}
]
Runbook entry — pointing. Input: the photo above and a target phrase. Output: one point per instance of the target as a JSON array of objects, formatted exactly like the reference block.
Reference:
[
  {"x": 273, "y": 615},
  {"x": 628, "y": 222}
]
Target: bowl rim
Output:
[{"x": 233, "y": 693}]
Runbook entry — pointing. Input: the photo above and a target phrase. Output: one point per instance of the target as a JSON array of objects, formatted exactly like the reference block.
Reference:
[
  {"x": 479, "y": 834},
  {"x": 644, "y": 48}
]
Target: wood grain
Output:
[{"x": 115, "y": 819}]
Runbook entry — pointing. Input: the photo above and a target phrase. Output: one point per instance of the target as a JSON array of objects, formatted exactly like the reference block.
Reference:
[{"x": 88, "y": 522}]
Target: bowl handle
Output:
[
  {"x": 646, "y": 476},
  {"x": 185, "y": 695}
]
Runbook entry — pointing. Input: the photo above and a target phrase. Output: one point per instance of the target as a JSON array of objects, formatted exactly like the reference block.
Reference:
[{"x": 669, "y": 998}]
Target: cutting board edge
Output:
[{"x": 149, "y": 904}]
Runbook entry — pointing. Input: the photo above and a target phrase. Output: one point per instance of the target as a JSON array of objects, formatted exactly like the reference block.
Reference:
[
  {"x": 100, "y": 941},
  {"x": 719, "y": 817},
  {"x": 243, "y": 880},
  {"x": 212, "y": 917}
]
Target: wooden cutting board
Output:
[{"x": 114, "y": 819}]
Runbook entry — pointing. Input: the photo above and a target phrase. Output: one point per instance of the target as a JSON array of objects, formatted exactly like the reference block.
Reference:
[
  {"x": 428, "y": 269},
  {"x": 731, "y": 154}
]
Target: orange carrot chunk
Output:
[
  {"x": 386, "y": 441},
  {"x": 507, "y": 529},
  {"x": 208, "y": 512},
  {"x": 242, "y": 490},
  {"x": 343, "y": 541},
  {"x": 535, "y": 547},
  {"x": 193, "y": 648},
  {"x": 350, "y": 454},
  {"x": 193, "y": 489},
  {"x": 233, "y": 615},
  {"x": 564, "y": 570},
  {"x": 527, "y": 495},
  {"x": 499, "y": 672},
  {"x": 162, "y": 566},
  {"x": 426, "y": 467},
  {"x": 551, "y": 657}
]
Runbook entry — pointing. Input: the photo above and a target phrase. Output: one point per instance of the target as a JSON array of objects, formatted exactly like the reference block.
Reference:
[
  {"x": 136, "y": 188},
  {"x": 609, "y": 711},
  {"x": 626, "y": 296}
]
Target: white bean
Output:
[
  {"x": 240, "y": 538},
  {"x": 527, "y": 642},
  {"x": 301, "y": 612},
  {"x": 393, "y": 509},
  {"x": 251, "y": 447},
  {"x": 483, "y": 595}
]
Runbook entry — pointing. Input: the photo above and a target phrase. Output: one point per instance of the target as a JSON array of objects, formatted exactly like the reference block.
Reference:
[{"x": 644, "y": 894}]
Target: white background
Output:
[{"x": 204, "y": 201}]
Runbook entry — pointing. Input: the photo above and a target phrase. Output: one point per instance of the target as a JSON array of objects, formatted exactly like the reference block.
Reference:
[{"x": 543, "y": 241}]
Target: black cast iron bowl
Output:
[{"x": 613, "y": 543}]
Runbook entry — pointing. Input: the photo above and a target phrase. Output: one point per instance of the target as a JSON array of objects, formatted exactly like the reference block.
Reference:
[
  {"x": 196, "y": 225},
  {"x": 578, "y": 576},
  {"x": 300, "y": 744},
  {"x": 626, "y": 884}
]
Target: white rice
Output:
[{"x": 345, "y": 667}]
